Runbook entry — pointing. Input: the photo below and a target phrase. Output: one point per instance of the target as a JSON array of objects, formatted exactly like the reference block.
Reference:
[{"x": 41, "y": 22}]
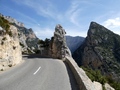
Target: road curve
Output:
[{"x": 38, "y": 74}]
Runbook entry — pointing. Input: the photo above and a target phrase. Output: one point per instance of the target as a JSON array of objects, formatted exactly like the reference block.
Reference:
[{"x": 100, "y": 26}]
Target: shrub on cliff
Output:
[
  {"x": 97, "y": 76},
  {"x": 44, "y": 43},
  {"x": 5, "y": 25}
]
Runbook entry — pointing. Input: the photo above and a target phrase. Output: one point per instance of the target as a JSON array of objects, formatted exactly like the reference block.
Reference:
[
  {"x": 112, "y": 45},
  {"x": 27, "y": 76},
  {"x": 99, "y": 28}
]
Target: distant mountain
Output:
[
  {"x": 74, "y": 42},
  {"x": 28, "y": 39},
  {"x": 100, "y": 50}
]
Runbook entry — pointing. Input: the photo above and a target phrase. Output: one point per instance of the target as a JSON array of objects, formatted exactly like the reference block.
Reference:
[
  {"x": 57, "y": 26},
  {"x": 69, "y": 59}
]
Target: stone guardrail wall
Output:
[{"x": 82, "y": 79}]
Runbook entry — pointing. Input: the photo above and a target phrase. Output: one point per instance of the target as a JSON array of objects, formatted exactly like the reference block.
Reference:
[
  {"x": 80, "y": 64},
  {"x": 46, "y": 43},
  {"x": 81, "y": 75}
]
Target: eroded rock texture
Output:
[
  {"x": 100, "y": 50},
  {"x": 59, "y": 47},
  {"x": 28, "y": 39},
  {"x": 10, "y": 50}
]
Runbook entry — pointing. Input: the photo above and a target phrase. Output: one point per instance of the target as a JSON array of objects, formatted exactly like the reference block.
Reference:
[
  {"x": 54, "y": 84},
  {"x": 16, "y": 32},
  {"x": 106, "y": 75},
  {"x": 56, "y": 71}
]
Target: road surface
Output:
[{"x": 38, "y": 74}]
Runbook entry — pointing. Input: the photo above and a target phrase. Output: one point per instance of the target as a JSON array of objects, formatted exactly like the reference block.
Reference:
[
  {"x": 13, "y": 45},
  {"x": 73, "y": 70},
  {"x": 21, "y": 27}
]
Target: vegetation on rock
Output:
[
  {"x": 95, "y": 75},
  {"x": 5, "y": 25},
  {"x": 44, "y": 43}
]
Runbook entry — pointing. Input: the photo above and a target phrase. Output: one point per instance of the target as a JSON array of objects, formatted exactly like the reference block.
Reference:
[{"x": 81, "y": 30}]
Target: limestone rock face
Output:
[
  {"x": 10, "y": 50},
  {"x": 59, "y": 47},
  {"x": 97, "y": 86},
  {"x": 108, "y": 87},
  {"x": 100, "y": 50},
  {"x": 28, "y": 39}
]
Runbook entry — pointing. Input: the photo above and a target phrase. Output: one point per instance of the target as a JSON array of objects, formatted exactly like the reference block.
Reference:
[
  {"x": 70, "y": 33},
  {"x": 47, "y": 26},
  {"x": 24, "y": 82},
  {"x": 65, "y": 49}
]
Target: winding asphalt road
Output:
[{"x": 38, "y": 74}]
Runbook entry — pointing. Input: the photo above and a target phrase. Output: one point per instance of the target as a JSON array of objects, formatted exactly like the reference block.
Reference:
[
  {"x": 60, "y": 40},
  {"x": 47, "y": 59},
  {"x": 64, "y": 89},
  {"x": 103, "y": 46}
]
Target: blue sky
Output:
[{"x": 74, "y": 15}]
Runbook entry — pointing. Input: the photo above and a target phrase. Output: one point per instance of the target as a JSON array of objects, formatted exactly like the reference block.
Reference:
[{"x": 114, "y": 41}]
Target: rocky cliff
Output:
[
  {"x": 28, "y": 39},
  {"x": 100, "y": 50},
  {"x": 74, "y": 42},
  {"x": 10, "y": 50},
  {"x": 59, "y": 47}
]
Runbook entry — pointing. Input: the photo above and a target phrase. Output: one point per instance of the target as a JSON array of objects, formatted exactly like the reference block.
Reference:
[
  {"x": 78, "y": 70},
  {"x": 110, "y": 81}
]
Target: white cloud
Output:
[
  {"x": 47, "y": 9},
  {"x": 26, "y": 18},
  {"x": 44, "y": 8},
  {"x": 113, "y": 24},
  {"x": 43, "y": 33},
  {"x": 74, "y": 12},
  {"x": 74, "y": 17},
  {"x": 70, "y": 17}
]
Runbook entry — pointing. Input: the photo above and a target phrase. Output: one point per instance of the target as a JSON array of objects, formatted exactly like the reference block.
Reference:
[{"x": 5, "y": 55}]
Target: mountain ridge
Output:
[{"x": 100, "y": 50}]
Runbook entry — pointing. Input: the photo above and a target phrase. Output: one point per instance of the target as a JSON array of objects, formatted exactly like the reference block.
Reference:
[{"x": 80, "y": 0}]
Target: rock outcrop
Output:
[
  {"x": 28, "y": 39},
  {"x": 12, "y": 20},
  {"x": 10, "y": 50},
  {"x": 100, "y": 50},
  {"x": 59, "y": 48}
]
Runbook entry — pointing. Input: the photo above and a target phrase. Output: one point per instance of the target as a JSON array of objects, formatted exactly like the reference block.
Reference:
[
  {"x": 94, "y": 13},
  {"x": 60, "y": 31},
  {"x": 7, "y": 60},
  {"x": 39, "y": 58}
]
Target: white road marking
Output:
[{"x": 36, "y": 70}]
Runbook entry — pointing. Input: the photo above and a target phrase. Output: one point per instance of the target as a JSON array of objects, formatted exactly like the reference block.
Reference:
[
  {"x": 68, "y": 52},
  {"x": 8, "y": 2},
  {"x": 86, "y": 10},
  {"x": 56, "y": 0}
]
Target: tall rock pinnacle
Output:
[{"x": 59, "y": 47}]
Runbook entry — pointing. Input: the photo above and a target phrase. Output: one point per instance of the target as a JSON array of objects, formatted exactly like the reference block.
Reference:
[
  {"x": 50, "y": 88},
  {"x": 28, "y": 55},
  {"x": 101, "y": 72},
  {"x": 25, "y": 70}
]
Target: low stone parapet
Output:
[{"x": 82, "y": 79}]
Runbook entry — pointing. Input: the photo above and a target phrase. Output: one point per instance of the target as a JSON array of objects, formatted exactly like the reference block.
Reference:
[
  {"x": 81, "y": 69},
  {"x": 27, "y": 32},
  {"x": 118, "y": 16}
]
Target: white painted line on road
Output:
[{"x": 36, "y": 70}]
